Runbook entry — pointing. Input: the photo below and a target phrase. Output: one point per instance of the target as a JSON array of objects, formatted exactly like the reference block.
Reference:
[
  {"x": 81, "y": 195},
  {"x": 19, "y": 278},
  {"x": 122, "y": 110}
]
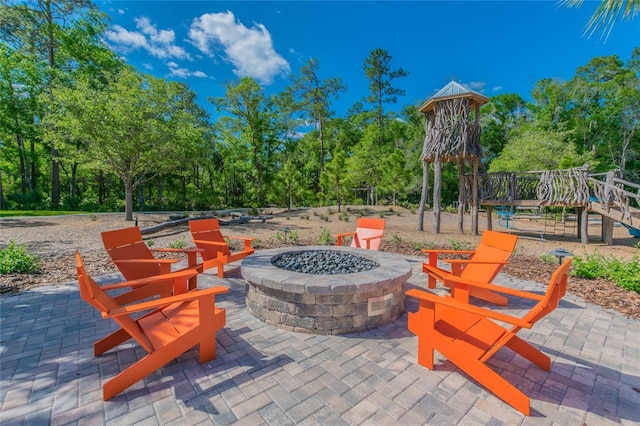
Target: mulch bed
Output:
[{"x": 60, "y": 269}]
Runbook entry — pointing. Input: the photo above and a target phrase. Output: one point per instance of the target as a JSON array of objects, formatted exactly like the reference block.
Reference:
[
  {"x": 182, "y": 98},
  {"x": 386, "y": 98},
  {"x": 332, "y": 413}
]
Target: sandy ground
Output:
[
  {"x": 55, "y": 239},
  {"x": 62, "y": 235}
]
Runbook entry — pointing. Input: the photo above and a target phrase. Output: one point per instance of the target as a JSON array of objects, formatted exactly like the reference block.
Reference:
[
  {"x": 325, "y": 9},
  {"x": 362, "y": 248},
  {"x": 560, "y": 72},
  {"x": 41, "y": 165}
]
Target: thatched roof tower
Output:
[{"x": 451, "y": 136}]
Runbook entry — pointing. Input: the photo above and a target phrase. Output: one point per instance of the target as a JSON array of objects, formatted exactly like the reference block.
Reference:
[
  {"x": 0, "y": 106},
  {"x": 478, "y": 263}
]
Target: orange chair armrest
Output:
[
  {"x": 187, "y": 272},
  {"x": 247, "y": 241},
  {"x": 346, "y": 234},
  {"x": 123, "y": 285},
  {"x": 153, "y": 304},
  {"x": 210, "y": 243},
  {"x": 170, "y": 261},
  {"x": 177, "y": 250},
  {"x": 477, "y": 262},
  {"x": 372, "y": 238},
  {"x": 453, "y": 280},
  {"x": 450, "y": 302},
  {"x": 436, "y": 251}
]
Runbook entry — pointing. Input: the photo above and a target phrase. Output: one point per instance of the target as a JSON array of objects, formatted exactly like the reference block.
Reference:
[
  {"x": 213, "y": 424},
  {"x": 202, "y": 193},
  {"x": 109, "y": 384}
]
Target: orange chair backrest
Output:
[
  {"x": 493, "y": 246},
  {"x": 91, "y": 293},
  {"x": 207, "y": 230},
  {"x": 556, "y": 291},
  {"x": 368, "y": 227},
  {"x": 127, "y": 243}
]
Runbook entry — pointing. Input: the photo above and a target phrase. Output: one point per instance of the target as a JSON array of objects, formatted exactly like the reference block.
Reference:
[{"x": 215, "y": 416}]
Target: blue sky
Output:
[{"x": 491, "y": 47}]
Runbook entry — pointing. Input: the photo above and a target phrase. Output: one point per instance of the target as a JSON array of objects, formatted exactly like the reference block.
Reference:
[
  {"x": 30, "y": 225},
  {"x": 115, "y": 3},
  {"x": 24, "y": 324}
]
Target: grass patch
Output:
[{"x": 36, "y": 213}]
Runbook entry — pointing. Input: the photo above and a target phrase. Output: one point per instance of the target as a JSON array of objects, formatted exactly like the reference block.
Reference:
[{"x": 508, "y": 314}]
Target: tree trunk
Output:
[
  {"x": 128, "y": 200},
  {"x": 423, "y": 196},
  {"x": 475, "y": 196},
  {"x": 461, "y": 196},
  {"x": 437, "y": 189}
]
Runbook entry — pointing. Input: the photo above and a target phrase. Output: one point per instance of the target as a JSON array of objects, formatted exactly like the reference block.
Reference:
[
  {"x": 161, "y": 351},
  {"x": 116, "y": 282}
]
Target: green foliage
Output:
[
  {"x": 325, "y": 238},
  {"x": 428, "y": 245},
  {"x": 548, "y": 259},
  {"x": 538, "y": 149},
  {"x": 15, "y": 259},
  {"x": 178, "y": 244},
  {"x": 396, "y": 239},
  {"x": 150, "y": 242},
  {"x": 626, "y": 274},
  {"x": 381, "y": 214},
  {"x": 460, "y": 245}
]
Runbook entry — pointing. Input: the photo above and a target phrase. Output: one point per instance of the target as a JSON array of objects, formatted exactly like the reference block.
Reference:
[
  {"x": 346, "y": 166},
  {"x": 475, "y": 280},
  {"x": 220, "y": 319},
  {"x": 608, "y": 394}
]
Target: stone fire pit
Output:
[{"x": 325, "y": 304}]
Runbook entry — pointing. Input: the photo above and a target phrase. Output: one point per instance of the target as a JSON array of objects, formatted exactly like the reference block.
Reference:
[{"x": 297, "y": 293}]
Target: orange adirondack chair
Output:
[
  {"x": 215, "y": 251},
  {"x": 175, "y": 324},
  {"x": 135, "y": 260},
  {"x": 368, "y": 234},
  {"x": 469, "y": 336},
  {"x": 492, "y": 253}
]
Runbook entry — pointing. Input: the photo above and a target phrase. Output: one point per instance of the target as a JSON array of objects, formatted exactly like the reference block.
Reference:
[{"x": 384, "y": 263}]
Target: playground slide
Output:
[{"x": 634, "y": 232}]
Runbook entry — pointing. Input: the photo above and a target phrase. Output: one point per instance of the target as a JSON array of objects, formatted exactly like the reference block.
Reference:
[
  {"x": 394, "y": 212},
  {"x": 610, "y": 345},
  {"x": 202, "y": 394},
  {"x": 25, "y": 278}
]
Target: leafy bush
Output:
[
  {"x": 15, "y": 258},
  {"x": 396, "y": 239},
  {"x": 325, "y": 238},
  {"x": 460, "y": 245},
  {"x": 178, "y": 244},
  {"x": 626, "y": 274},
  {"x": 429, "y": 245},
  {"x": 548, "y": 259}
]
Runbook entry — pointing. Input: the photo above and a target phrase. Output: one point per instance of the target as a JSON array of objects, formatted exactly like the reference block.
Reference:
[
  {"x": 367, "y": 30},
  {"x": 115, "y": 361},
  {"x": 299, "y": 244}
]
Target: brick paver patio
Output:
[{"x": 264, "y": 375}]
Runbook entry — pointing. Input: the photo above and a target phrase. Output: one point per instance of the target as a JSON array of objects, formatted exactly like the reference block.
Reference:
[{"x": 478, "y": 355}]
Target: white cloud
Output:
[
  {"x": 157, "y": 43},
  {"x": 177, "y": 71},
  {"x": 497, "y": 88},
  {"x": 120, "y": 12},
  {"x": 249, "y": 50}
]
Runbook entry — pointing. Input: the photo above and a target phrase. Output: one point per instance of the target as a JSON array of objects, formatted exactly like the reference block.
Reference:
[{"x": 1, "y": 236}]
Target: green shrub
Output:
[
  {"x": 429, "y": 245},
  {"x": 178, "y": 244},
  {"x": 381, "y": 214},
  {"x": 396, "y": 239},
  {"x": 15, "y": 258},
  {"x": 626, "y": 274},
  {"x": 460, "y": 245},
  {"x": 150, "y": 242},
  {"x": 325, "y": 238},
  {"x": 548, "y": 259}
]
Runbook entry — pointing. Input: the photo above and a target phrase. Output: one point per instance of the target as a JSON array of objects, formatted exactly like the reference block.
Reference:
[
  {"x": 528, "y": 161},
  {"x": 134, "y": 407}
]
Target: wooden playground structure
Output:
[{"x": 452, "y": 135}]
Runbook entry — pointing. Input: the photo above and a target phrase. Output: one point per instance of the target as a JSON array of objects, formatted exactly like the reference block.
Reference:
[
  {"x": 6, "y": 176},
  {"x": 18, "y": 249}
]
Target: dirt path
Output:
[{"x": 56, "y": 238}]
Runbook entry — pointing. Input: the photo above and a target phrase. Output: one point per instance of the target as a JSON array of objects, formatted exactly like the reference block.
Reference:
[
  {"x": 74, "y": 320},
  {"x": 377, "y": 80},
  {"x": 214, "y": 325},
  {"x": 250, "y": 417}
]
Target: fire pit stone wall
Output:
[{"x": 325, "y": 304}]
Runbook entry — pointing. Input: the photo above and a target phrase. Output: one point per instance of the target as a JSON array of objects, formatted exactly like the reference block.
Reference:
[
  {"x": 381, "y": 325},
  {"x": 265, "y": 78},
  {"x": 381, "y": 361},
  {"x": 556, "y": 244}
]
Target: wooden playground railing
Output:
[
  {"x": 616, "y": 198},
  {"x": 567, "y": 187}
]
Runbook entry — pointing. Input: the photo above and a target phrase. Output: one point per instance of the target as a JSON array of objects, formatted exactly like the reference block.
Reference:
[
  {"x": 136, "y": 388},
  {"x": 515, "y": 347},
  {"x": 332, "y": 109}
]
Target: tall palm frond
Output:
[{"x": 606, "y": 14}]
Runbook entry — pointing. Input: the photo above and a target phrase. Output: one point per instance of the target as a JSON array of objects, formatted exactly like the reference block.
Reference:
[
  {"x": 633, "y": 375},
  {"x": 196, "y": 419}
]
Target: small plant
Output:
[
  {"x": 150, "y": 242},
  {"x": 305, "y": 216},
  {"x": 330, "y": 211},
  {"x": 345, "y": 216},
  {"x": 396, "y": 239},
  {"x": 626, "y": 274},
  {"x": 293, "y": 236},
  {"x": 390, "y": 209},
  {"x": 460, "y": 245},
  {"x": 548, "y": 259},
  {"x": 93, "y": 217},
  {"x": 325, "y": 238},
  {"x": 381, "y": 214},
  {"x": 288, "y": 217},
  {"x": 637, "y": 245},
  {"x": 424, "y": 245},
  {"x": 178, "y": 244},
  {"x": 15, "y": 258}
]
